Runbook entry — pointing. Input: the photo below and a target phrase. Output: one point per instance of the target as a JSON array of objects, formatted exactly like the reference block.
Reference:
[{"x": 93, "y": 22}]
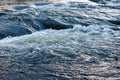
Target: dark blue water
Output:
[{"x": 60, "y": 41}]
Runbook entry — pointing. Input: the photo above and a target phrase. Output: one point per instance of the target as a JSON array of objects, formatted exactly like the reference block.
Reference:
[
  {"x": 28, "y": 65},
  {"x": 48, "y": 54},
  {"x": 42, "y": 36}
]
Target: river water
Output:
[{"x": 60, "y": 41}]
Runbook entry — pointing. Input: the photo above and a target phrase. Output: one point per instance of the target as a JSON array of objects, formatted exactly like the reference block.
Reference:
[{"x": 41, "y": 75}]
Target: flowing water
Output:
[{"x": 60, "y": 41}]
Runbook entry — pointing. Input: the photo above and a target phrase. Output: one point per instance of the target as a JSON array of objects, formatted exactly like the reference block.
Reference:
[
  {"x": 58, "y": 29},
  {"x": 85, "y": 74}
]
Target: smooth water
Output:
[{"x": 60, "y": 41}]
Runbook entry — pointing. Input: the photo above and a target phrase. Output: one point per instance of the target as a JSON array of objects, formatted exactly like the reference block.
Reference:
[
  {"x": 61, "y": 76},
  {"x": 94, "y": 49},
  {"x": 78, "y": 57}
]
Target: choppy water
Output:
[{"x": 60, "y": 41}]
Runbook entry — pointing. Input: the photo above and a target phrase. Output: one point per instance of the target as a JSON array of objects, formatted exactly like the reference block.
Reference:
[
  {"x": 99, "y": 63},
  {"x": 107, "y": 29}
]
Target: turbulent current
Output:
[{"x": 60, "y": 41}]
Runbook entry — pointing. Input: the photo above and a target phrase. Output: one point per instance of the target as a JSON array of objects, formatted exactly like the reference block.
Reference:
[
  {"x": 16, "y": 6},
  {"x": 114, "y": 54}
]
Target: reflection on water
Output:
[{"x": 4, "y": 2}]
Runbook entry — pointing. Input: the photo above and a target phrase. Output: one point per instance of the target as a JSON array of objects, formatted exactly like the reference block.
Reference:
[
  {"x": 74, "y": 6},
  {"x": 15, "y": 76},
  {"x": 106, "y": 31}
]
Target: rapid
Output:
[{"x": 60, "y": 41}]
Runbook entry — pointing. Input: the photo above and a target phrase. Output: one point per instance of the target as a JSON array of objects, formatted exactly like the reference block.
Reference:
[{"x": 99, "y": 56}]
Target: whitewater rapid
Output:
[{"x": 61, "y": 41}]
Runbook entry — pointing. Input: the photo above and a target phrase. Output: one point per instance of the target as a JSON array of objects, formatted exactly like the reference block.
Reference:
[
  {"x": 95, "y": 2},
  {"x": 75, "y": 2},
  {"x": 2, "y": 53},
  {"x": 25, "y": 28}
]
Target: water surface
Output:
[{"x": 60, "y": 41}]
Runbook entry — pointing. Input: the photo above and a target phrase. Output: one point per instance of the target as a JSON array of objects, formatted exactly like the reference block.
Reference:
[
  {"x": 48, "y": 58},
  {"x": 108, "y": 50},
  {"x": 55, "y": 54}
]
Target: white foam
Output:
[{"x": 69, "y": 36}]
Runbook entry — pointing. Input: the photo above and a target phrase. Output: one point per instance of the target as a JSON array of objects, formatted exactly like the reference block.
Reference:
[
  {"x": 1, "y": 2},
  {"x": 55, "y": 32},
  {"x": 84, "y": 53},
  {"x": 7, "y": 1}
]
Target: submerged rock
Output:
[
  {"x": 52, "y": 24},
  {"x": 12, "y": 29},
  {"x": 17, "y": 26}
]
